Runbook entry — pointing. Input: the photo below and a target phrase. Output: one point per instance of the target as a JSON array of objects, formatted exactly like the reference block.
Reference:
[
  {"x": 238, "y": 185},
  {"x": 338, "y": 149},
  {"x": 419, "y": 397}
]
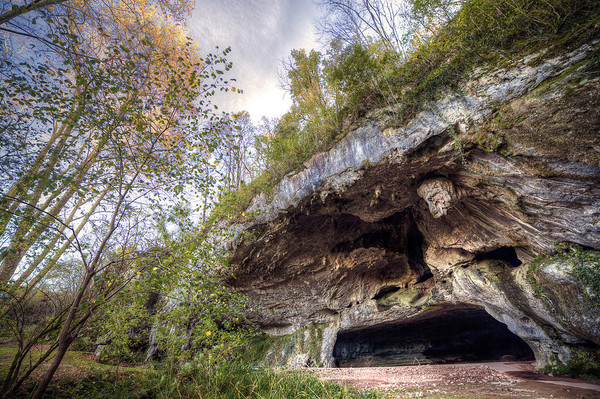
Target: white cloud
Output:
[{"x": 260, "y": 33}]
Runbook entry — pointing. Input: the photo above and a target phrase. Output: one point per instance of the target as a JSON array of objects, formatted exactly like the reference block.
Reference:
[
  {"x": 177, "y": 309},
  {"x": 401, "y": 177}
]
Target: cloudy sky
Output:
[{"x": 261, "y": 33}]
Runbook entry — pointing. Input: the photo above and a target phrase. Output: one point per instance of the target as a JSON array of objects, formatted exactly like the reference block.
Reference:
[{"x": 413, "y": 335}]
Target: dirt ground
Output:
[{"x": 475, "y": 380}]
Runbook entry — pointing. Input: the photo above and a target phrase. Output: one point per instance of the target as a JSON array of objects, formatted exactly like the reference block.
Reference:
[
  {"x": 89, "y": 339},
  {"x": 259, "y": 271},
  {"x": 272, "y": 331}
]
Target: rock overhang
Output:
[{"x": 391, "y": 222}]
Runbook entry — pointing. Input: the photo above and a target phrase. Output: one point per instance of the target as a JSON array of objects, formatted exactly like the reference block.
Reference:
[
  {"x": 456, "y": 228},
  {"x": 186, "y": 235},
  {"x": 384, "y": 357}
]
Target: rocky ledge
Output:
[{"x": 422, "y": 242}]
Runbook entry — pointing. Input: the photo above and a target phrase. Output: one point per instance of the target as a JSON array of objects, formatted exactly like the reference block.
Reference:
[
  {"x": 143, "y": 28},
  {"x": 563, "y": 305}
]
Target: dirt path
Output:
[{"x": 475, "y": 380}]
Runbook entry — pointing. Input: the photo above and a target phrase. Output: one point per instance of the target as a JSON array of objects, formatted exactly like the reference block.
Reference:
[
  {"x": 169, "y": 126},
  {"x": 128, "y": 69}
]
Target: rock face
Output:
[{"x": 414, "y": 242}]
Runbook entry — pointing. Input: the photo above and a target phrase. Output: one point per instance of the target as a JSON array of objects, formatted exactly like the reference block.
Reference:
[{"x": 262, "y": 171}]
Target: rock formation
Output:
[{"x": 416, "y": 243}]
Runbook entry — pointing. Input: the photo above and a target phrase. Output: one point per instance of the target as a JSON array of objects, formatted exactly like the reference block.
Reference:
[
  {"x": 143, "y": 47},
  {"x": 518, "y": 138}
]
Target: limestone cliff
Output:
[{"x": 411, "y": 242}]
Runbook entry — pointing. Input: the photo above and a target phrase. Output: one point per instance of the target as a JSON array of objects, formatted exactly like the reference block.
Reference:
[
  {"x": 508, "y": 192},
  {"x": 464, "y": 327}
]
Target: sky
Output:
[{"x": 261, "y": 33}]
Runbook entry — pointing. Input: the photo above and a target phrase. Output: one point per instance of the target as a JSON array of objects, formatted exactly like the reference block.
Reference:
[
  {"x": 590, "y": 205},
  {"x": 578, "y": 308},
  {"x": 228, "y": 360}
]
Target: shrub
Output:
[{"x": 584, "y": 363}]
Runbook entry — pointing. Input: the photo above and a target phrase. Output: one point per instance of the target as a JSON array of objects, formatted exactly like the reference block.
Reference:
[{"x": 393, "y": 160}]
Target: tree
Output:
[
  {"x": 365, "y": 21},
  {"x": 114, "y": 104},
  {"x": 10, "y": 11},
  {"x": 314, "y": 119},
  {"x": 263, "y": 160},
  {"x": 398, "y": 26},
  {"x": 235, "y": 151},
  {"x": 75, "y": 122},
  {"x": 316, "y": 103}
]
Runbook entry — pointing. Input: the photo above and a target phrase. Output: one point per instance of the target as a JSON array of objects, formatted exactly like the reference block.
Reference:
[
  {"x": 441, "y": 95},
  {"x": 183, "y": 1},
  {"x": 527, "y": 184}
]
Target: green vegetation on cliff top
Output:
[{"x": 332, "y": 92}]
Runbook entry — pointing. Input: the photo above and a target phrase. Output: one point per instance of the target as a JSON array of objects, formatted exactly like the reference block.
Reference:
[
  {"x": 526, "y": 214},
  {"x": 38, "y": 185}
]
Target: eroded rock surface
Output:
[
  {"x": 439, "y": 194},
  {"x": 391, "y": 226}
]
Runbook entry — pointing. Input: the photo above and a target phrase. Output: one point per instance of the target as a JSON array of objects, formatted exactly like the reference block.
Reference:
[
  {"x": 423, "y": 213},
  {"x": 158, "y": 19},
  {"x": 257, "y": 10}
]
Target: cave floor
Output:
[{"x": 467, "y": 380}]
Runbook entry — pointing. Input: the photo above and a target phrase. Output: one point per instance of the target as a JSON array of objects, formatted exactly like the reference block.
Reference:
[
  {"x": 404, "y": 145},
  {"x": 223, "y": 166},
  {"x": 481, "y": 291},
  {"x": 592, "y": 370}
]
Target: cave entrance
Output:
[{"x": 448, "y": 334}]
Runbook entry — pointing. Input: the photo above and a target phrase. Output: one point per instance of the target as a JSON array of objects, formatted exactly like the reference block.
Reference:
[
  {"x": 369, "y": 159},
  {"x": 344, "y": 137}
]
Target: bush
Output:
[{"x": 584, "y": 363}]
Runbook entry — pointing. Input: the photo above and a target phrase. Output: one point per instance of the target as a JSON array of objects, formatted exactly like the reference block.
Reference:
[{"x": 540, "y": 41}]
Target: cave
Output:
[{"x": 449, "y": 334}]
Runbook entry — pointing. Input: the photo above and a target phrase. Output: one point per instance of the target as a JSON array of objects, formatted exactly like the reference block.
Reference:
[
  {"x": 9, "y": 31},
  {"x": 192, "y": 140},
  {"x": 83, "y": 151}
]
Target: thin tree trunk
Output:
[
  {"x": 24, "y": 239},
  {"x": 17, "y": 245},
  {"x": 34, "y": 5},
  {"x": 63, "y": 248},
  {"x": 50, "y": 245},
  {"x": 66, "y": 338},
  {"x": 11, "y": 199}
]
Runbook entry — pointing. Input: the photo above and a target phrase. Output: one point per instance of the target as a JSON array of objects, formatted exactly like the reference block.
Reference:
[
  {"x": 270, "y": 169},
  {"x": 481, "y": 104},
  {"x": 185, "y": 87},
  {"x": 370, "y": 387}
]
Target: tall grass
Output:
[
  {"x": 218, "y": 381},
  {"x": 240, "y": 381}
]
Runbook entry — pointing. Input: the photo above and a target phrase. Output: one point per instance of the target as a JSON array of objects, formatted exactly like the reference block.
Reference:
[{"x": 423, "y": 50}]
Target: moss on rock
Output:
[{"x": 299, "y": 349}]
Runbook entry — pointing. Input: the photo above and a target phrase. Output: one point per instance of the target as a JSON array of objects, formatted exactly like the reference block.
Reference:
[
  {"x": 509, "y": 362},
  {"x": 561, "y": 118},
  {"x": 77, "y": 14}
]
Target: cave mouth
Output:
[{"x": 449, "y": 334}]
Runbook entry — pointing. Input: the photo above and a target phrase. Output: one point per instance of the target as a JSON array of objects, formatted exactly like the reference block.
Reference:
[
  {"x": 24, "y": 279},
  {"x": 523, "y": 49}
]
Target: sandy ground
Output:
[{"x": 474, "y": 380}]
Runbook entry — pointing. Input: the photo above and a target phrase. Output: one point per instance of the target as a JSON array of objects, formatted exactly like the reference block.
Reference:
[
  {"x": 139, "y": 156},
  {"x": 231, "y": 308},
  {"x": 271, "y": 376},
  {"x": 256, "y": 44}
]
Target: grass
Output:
[
  {"x": 72, "y": 359},
  {"x": 79, "y": 376},
  {"x": 78, "y": 373},
  {"x": 239, "y": 381}
]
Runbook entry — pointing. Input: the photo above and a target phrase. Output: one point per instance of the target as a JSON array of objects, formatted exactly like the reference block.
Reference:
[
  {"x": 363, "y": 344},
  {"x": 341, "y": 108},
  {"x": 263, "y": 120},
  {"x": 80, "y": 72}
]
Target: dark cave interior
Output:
[{"x": 451, "y": 334}]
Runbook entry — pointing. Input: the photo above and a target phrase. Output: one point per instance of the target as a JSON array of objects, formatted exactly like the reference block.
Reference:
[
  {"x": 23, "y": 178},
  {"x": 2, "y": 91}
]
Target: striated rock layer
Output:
[{"x": 406, "y": 240}]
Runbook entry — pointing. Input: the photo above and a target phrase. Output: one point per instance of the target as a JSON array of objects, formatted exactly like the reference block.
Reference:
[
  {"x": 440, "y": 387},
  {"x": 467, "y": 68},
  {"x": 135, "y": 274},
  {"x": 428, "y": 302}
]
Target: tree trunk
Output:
[{"x": 34, "y": 5}]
